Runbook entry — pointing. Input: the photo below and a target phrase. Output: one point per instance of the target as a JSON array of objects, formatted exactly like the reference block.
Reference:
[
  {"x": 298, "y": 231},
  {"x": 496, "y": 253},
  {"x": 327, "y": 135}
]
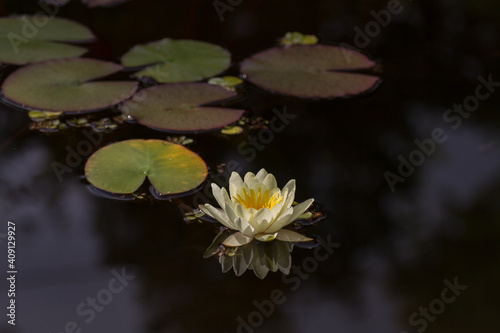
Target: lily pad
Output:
[
  {"x": 89, "y": 3},
  {"x": 29, "y": 39},
  {"x": 177, "y": 60},
  {"x": 179, "y": 107},
  {"x": 63, "y": 85},
  {"x": 102, "y": 3},
  {"x": 310, "y": 71},
  {"x": 122, "y": 167}
]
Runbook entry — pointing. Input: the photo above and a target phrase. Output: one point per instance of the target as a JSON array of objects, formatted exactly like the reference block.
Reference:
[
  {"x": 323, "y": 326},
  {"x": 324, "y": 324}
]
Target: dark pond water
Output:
[{"x": 423, "y": 257}]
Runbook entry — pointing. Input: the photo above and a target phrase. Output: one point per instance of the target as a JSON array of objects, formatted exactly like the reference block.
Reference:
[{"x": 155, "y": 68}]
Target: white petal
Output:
[
  {"x": 300, "y": 208},
  {"x": 237, "y": 239},
  {"x": 218, "y": 195},
  {"x": 261, "y": 175},
  {"x": 218, "y": 214},
  {"x": 261, "y": 220},
  {"x": 240, "y": 191},
  {"x": 291, "y": 236},
  {"x": 242, "y": 212},
  {"x": 235, "y": 183},
  {"x": 290, "y": 186},
  {"x": 243, "y": 226},
  {"x": 251, "y": 212},
  {"x": 277, "y": 209},
  {"x": 228, "y": 205},
  {"x": 266, "y": 237},
  {"x": 251, "y": 181},
  {"x": 281, "y": 221},
  {"x": 289, "y": 196},
  {"x": 270, "y": 182}
]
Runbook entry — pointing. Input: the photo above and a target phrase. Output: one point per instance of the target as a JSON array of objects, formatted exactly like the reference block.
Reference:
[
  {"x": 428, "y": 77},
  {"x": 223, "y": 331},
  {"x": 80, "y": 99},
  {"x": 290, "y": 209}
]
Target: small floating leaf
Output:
[
  {"x": 28, "y": 39},
  {"x": 41, "y": 116},
  {"x": 62, "y": 85},
  {"x": 311, "y": 71},
  {"x": 122, "y": 167},
  {"x": 296, "y": 38},
  {"x": 232, "y": 130},
  {"x": 177, "y": 60},
  {"x": 179, "y": 107},
  {"x": 228, "y": 82}
]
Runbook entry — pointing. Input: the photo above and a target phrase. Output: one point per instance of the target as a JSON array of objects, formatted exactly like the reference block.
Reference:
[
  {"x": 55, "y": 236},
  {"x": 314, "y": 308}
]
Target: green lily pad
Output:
[
  {"x": 177, "y": 60},
  {"x": 29, "y": 39},
  {"x": 62, "y": 85},
  {"x": 179, "y": 107},
  {"x": 310, "y": 71},
  {"x": 122, "y": 167}
]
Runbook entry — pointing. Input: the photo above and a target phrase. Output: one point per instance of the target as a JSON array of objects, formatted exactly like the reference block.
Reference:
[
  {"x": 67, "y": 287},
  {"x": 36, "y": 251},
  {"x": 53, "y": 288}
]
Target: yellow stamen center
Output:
[{"x": 258, "y": 200}]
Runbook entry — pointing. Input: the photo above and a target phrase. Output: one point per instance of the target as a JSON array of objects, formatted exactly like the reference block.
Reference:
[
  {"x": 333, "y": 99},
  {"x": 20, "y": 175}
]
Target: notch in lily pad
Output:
[
  {"x": 182, "y": 107},
  {"x": 169, "y": 60},
  {"x": 28, "y": 39},
  {"x": 66, "y": 85},
  {"x": 122, "y": 167},
  {"x": 310, "y": 71}
]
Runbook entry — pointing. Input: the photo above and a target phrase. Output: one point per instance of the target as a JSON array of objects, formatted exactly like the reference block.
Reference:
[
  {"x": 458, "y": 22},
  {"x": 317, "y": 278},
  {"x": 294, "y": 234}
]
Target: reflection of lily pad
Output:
[
  {"x": 312, "y": 71},
  {"x": 122, "y": 167},
  {"x": 28, "y": 39},
  {"x": 178, "y": 60},
  {"x": 62, "y": 85},
  {"x": 178, "y": 107}
]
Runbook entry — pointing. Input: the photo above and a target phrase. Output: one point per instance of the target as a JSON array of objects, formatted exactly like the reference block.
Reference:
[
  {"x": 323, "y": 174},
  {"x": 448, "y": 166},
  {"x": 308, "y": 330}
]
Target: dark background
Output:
[{"x": 397, "y": 248}]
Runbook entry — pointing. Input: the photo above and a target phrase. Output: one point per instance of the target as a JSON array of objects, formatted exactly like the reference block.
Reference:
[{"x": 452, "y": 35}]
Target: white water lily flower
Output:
[{"x": 257, "y": 208}]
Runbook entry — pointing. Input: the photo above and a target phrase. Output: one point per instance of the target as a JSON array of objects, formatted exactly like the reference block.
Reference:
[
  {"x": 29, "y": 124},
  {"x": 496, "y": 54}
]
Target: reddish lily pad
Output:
[
  {"x": 122, "y": 167},
  {"x": 63, "y": 85},
  {"x": 102, "y": 3},
  {"x": 28, "y": 39},
  {"x": 89, "y": 3},
  {"x": 310, "y": 71},
  {"x": 180, "y": 107}
]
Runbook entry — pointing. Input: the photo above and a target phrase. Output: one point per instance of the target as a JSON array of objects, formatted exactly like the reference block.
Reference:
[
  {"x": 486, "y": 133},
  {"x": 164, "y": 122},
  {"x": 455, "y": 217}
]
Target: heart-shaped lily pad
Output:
[
  {"x": 28, "y": 39},
  {"x": 179, "y": 107},
  {"x": 177, "y": 60},
  {"x": 122, "y": 167},
  {"x": 62, "y": 85},
  {"x": 311, "y": 71}
]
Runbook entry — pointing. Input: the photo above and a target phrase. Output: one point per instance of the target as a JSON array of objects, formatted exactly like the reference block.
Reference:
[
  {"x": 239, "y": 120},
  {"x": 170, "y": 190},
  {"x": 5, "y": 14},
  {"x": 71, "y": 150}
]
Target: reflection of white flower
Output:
[{"x": 257, "y": 208}]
